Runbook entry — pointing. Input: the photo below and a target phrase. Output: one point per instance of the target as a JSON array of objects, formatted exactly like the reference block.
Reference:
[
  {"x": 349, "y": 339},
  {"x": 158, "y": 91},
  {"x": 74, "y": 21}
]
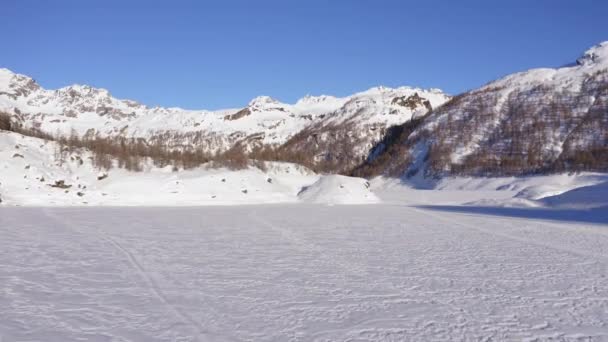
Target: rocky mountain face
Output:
[
  {"x": 333, "y": 133},
  {"x": 541, "y": 120}
]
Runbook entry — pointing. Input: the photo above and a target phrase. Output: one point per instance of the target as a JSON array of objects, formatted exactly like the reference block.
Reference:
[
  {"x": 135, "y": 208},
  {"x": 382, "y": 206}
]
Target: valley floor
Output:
[{"x": 384, "y": 272}]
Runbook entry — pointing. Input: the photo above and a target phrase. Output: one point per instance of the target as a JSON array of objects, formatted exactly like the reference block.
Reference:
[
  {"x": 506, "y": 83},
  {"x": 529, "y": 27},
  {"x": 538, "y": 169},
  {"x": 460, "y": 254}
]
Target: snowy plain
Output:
[{"x": 287, "y": 272}]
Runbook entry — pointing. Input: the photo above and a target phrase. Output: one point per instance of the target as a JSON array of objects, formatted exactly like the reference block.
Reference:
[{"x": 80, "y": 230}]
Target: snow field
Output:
[{"x": 298, "y": 273}]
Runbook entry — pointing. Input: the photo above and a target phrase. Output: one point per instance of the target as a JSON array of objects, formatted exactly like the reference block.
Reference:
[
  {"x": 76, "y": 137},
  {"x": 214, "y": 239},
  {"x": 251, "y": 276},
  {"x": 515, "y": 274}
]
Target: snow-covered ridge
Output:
[
  {"x": 535, "y": 120},
  {"x": 89, "y": 110},
  {"x": 597, "y": 55},
  {"x": 593, "y": 60}
]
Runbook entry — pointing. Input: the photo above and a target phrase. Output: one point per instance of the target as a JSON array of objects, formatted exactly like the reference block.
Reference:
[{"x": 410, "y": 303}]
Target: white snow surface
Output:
[
  {"x": 576, "y": 190},
  {"x": 299, "y": 273},
  {"x": 583, "y": 197},
  {"x": 335, "y": 189}
]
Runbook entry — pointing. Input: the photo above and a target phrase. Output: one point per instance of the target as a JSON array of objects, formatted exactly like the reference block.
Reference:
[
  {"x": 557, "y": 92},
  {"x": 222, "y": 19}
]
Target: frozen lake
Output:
[{"x": 299, "y": 273}]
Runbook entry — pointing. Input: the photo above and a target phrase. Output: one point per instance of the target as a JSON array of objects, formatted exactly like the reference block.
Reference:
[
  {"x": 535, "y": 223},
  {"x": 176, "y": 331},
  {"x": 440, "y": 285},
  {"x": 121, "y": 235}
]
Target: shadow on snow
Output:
[{"x": 595, "y": 215}]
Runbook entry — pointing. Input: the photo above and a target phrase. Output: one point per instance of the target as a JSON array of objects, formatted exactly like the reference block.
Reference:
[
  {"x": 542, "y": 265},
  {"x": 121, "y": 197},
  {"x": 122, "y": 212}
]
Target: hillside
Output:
[{"x": 537, "y": 121}]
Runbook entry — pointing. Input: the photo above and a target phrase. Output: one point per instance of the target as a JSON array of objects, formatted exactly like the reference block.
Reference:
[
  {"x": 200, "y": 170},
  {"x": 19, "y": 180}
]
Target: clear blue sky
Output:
[{"x": 216, "y": 54}]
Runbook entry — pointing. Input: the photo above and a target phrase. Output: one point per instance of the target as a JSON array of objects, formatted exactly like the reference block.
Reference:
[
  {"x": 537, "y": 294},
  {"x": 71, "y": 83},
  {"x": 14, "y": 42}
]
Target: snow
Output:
[
  {"x": 583, "y": 197},
  {"x": 335, "y": 189},
  {"x": 565, "y": 78},
  {"x": 5, "y": 78},
  {"x": 596, "y": 55},
  {"x": 580, "y": 190},
  {"x": 300, "y": 272}
]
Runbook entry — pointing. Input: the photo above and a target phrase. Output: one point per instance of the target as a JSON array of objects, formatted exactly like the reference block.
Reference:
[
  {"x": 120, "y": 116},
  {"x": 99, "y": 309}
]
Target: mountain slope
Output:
[
  {"x": 541, "y": 120},
  {"x": 34, "y": 171}
]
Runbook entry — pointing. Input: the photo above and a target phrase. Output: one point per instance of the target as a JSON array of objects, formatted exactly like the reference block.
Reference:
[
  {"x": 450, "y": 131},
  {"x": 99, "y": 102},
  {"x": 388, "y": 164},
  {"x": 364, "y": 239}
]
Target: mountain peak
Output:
[
  {"x": 17, "y": 83},
  {"x": 5, "y": 71},
  {"x": 595, "y": 55},
  {"x": 310, "y": 99},
  {"x": 84, "y": 90},
  {"x": 9, "y": 74},
  {"x": 263, "y": 102}
]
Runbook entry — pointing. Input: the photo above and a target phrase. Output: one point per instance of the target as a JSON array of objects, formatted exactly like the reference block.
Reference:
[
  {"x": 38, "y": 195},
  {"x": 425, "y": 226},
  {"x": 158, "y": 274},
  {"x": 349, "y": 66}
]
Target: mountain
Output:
[
  {"x": 317, "y": 129},
  {"x": 536, "y": 121}
]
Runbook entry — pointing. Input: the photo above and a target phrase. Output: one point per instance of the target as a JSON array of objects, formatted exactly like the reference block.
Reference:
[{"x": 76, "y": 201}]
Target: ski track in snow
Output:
[
  {"x": 202, "y": 334},
  {"x": 298, "y": 273}
]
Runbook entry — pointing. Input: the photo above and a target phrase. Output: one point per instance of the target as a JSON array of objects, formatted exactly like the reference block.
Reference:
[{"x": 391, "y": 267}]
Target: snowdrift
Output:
[
  {"x": 592, "y": 196},
  {"x": 334, "y": 189},
  {"x": 577, "y": 190}
]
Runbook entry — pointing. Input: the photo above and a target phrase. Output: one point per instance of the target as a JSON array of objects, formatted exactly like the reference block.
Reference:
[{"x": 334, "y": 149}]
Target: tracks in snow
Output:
[
  {"x": 278, "y": 273},
  {"x": 202, "y": 333}
]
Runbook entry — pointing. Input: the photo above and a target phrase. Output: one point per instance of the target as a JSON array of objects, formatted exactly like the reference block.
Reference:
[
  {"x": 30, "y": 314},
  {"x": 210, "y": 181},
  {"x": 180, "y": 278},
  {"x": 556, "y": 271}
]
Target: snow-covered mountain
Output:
[
  {"x": 263, "y": 122},
  {"x": 540, "y": 120}
]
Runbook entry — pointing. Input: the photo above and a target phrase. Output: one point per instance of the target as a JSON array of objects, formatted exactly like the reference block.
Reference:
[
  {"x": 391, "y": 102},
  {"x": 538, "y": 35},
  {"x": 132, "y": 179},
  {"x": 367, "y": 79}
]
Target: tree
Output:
[{"x": 5, "y": 122}]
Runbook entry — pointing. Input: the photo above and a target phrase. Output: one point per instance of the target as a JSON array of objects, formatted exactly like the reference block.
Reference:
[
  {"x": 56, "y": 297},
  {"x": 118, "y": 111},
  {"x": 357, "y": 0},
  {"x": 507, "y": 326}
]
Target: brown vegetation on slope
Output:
[{"x": 130, "y": 153}]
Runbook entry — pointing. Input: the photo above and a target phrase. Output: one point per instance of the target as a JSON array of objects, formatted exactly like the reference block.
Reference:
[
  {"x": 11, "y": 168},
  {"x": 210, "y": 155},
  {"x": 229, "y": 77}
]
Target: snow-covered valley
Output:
[
  {"x": 388, "y": 272},
  {"x": 281, "y": 253}
]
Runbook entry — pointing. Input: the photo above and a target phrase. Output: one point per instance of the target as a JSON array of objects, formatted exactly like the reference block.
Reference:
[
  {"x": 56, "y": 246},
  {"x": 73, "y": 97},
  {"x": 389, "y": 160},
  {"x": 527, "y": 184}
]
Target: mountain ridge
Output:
[
  {"x": 265, "y": 122},
  {"x": 535, "y": 121}
]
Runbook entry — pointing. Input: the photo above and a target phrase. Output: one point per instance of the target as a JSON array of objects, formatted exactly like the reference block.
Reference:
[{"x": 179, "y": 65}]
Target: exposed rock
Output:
[
  {"x": 412, "y": 102},
  {"x": 240, "y": 114},
  {"x": 60, "y": 184}
]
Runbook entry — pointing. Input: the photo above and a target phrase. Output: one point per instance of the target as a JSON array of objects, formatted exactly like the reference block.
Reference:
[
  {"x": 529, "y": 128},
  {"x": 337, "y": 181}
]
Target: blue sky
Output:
[{"x": 217, "y": 54}]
